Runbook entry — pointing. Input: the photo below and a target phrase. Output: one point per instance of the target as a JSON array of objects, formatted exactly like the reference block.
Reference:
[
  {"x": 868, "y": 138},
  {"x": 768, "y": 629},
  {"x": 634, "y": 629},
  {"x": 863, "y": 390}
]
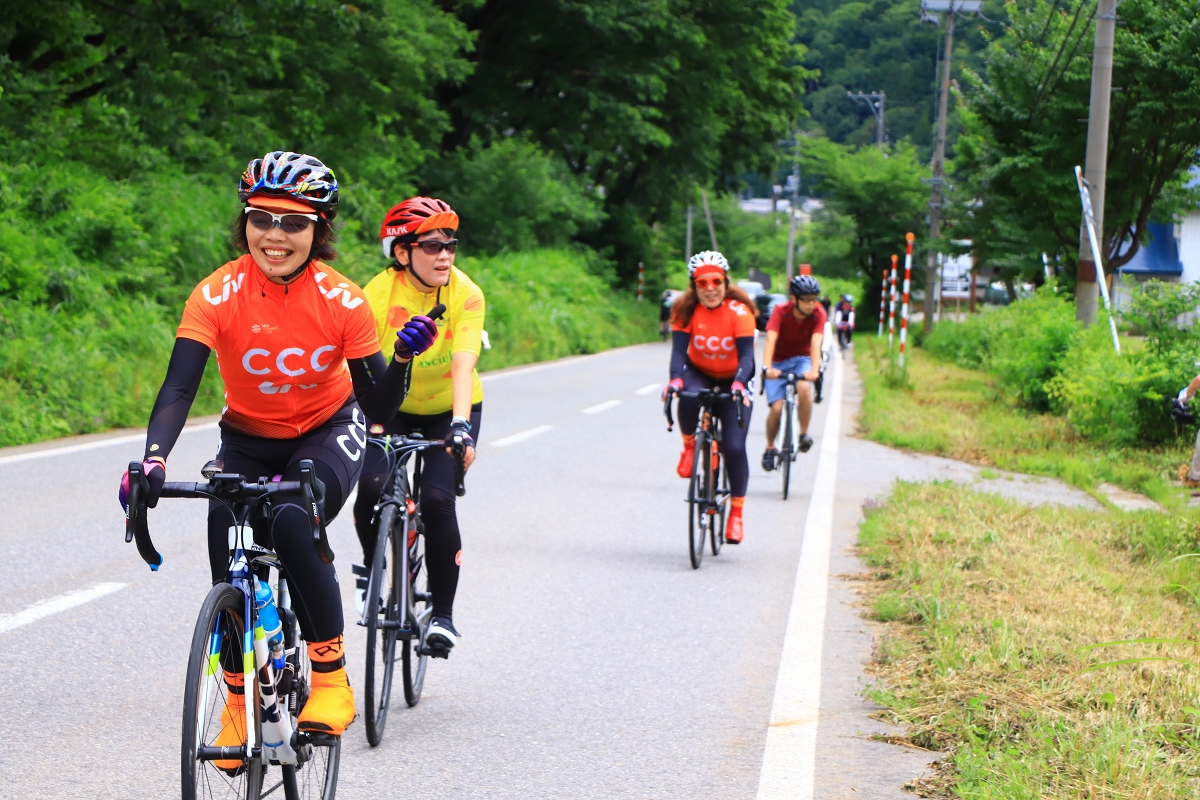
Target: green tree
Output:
[
  {"x": 642, "y": 100},
  {"x": 1024, "y": 118}
]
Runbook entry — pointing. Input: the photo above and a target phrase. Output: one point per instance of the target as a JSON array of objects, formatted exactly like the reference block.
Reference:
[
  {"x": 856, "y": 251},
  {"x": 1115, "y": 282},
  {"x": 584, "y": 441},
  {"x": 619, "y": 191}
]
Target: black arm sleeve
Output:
[
  {"x": 745, "y": 351},
  {"x": 379, "y": 387},
  {"x": 188, "y": 359},
  {"x": 679, "y": 346}
]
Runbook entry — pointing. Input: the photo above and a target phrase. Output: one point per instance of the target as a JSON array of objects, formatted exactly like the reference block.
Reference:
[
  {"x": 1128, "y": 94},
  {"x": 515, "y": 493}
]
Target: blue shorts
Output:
[{"x": 797, "y": 365}]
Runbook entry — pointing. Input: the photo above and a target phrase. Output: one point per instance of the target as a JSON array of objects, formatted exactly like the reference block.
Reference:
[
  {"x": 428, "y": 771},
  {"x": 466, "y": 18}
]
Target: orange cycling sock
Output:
[
  {"x": 330, "y": 706},
  {"x": 733, "y": 527},
  {"x": 684, "y": 470}
]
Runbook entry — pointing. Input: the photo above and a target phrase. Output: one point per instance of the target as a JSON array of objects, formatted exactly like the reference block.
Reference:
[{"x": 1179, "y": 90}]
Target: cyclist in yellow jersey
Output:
[{"x": 444, "y": 398}]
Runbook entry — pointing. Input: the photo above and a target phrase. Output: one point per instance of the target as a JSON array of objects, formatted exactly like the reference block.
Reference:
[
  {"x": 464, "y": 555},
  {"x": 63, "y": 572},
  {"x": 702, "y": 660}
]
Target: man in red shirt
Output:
[{"x": 794, "y": 334}]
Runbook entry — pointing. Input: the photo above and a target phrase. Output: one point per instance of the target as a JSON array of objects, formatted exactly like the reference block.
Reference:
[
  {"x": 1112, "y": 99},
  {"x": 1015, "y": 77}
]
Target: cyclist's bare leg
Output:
[
  {"x": 774, "y": 415},
  {"x": 804, "y": 404}
]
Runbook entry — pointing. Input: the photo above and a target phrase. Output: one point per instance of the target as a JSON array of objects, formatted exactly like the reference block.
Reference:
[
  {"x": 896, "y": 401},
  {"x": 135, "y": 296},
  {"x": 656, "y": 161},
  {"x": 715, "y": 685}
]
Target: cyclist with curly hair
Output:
[
  {"x": 713, "y": 328},
  {"x": 446, "y": 397},
  {"x": 301, "y": 364},
  {"x": 794, "y": 334}
]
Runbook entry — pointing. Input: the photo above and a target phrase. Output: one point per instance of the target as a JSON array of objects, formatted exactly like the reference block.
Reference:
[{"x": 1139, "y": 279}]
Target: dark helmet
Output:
[
  {"x": 804, "y": 284},
  {"x": 296, "y": 175}
]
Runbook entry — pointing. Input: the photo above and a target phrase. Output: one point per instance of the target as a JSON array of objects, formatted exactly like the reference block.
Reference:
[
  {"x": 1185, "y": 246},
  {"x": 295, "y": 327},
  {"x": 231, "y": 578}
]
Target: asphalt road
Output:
[{"x": 595, "y": 662}]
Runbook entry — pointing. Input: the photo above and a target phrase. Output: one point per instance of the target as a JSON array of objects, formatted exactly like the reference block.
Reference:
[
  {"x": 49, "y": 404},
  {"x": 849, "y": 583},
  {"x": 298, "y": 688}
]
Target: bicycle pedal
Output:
[{"x": 433, "y": 651}]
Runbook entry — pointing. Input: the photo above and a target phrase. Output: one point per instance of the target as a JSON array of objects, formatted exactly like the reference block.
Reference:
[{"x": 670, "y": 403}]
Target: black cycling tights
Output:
[
  {"x": 443, "y": 542},
  {"x": 733, "y": 438},
  {"x": 337, "y": 456}
]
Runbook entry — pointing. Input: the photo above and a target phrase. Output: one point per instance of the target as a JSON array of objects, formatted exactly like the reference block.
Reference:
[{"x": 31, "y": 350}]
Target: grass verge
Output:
[
  {"x": 963, "y": 414},
  {"x": 999, "y": 647}
]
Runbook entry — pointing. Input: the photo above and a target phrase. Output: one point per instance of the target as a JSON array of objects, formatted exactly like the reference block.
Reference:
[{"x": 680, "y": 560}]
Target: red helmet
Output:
[{"x": 414, "y": 216}]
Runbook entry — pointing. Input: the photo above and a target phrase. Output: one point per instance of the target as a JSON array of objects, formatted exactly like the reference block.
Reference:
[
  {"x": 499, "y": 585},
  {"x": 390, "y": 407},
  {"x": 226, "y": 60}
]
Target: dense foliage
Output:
[{"x": 1050, "y": 363}]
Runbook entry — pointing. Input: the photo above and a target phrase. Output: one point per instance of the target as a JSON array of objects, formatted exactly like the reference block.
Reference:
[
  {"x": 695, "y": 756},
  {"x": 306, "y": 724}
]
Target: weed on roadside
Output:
[{"x": 1047, "y": 652}]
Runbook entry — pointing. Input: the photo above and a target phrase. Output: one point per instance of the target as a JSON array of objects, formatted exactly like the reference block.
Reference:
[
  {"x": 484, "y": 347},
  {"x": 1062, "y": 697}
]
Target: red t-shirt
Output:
[
  {"x": 795, "y": 338},
  {"x": 282, "y": 352},
  {"x": 713, "y": 346}
]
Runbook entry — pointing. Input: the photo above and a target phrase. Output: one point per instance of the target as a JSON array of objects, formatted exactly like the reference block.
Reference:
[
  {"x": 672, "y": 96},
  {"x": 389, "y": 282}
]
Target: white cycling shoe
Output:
[{"x": 441, "y": 637}]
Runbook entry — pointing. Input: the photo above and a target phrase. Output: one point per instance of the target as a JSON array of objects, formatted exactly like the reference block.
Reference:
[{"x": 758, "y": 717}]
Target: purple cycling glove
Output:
[{"x": 417, "y": 336}]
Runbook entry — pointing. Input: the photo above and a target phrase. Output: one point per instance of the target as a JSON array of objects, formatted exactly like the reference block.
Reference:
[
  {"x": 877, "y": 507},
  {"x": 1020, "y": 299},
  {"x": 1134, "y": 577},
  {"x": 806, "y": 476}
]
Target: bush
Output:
[
  {"x": 1023, "y": 344},
  {"x": 546, "y": 304}
]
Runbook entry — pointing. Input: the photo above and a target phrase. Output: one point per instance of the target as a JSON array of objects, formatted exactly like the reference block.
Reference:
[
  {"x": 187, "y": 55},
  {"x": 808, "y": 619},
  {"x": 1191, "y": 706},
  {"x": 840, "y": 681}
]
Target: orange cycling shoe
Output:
[
  {"x": 733, "y": 527},
  {"x": 330, "y": 706},
  {"x": 687, "y": 457},
  {"x": 233, "y": 720}
]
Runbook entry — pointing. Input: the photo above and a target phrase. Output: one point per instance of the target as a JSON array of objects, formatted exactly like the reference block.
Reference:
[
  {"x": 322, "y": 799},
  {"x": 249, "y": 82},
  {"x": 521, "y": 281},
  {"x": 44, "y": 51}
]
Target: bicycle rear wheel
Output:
[
  {"x": 699, "y": 491},
  {"x": 413, "y": 655},
  {"x": 789, "y": 448},
  {"x": 316, "y": 777},
  {"x": 220, "y": 626},
  {"x": 383, "y": 615}
]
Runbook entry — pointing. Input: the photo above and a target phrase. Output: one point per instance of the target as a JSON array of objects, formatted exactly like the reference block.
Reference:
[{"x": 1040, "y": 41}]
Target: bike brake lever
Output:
[
  {"x": 460, "y": 469},
  {"x": 320, "y": 538},
  {"x": 135, "y": 519}
]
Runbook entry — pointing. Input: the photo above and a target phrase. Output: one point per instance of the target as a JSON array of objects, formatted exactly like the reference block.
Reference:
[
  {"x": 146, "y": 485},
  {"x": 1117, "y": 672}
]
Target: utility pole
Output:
[
  {"x": 875, "y": 102},
  {"x": 950, "y": 8},
  {"x": 1086, "y": 289},
  {"x": 795, "y": 181},
  {"x": 712, "y": 232},
  {"x": 688, "y": 247}
]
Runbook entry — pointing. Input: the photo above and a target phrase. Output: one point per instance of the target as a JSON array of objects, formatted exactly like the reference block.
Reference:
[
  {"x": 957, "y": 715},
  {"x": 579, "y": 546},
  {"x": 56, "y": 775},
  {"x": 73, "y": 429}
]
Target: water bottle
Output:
[{"x": 268, "y": 618}]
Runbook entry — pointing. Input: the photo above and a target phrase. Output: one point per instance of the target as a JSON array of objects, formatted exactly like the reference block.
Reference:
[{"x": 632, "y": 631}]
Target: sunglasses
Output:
[
  {"x": 709, "y": 283},
  {"x": 431, "y": 247},
  {"x": 288, "y": 223}
]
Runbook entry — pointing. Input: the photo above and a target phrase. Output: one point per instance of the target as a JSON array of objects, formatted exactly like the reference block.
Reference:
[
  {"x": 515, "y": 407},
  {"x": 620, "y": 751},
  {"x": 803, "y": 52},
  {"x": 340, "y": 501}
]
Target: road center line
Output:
[
  {"x": 649, "y": 388},
  {"x": 79, "y": 448},
  {"x": 55, "y": 605},
  {"x": 605, "y": 406},
  {"x": 789, "y": 760},
  {"x": 522, "y": 436}
]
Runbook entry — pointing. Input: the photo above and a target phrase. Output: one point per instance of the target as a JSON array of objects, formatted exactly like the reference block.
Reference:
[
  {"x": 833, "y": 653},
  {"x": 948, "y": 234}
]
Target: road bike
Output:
[
  {"x": 708, "y": 488},
  {"x": 399, "y": 608},
  {"x": 787, "y": 446},
  {"x": 229, "y": 634}
]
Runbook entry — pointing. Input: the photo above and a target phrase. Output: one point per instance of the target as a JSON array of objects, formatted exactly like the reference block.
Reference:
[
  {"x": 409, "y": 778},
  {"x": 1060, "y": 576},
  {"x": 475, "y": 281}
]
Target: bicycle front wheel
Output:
[
  {"x": 716, "y": 527},
  {"x": 220, "y": 628},
  {"x": 789, "y": 448},
  {"x": 413, "y": 655},
  {"x": 699, "y": 493},
  {"x": 382, "y": 619}
]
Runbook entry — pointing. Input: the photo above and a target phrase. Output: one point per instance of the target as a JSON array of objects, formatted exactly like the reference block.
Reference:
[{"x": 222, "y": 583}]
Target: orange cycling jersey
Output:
[
  {"x": 714, "y": 334},
  {"x": 281, "y": 350}
]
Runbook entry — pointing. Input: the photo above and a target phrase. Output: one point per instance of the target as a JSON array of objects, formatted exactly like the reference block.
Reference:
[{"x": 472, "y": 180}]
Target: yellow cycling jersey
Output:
[{"x": 394, "y": 299}]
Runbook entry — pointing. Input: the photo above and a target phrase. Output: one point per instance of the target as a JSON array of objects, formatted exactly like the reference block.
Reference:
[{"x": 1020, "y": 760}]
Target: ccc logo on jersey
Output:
[{"x": 718, "y": 345}]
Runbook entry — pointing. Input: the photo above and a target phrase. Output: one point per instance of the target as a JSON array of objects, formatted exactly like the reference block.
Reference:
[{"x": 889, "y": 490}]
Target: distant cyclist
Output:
[
  {"x": 794, "y": 334},
  {"x": 1189, "y": 474},
  {"x": 843, "y": 320},
  {"x": 664, "y": 314},
  {"x": 445, "y": 398},
  {"x": 713, "y": 347},
  {"x": 301, "y": 364}
]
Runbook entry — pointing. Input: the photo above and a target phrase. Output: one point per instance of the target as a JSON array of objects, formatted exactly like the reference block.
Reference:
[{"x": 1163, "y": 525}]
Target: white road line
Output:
[
  {"x": 79, "y": 448},
  {"x": 649, "y": 388},
  {"x": 605, "y": 406},
  {"x": 789, "y": 761},
  {"x": 56, "y": 605},
  {"x": 522, "y": 436}
]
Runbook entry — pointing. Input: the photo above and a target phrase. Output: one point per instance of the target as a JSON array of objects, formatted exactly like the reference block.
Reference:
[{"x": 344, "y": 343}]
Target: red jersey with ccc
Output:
[
  {"x": 714, "y": 334},
  {"x": 282, "y": 350},
  {"x": 795, "y": 336}
]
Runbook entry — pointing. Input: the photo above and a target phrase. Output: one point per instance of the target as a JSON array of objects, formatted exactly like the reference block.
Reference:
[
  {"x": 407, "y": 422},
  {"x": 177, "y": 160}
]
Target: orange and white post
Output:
[
  {"x": 908, "y": 237},
  {"x": 883, "y": 300},
  {"x": 892, "y": 306}
]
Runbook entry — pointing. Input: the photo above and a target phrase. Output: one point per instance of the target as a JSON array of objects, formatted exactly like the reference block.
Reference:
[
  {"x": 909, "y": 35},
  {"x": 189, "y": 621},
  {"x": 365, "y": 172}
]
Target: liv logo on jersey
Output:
[
  {"x": 227, "y": 286},
  {"x": 342, "y": 289}
]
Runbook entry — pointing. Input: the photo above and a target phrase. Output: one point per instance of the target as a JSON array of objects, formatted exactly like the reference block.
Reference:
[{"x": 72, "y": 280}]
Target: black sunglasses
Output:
[{"x": 431, "y": 247}]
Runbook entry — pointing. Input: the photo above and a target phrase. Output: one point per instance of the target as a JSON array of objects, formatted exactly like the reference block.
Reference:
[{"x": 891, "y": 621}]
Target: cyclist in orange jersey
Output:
[
  {"x": 301, "y": 363},
  {"x": 445, "y": 399},
  {"x": 713, "y": 347}
]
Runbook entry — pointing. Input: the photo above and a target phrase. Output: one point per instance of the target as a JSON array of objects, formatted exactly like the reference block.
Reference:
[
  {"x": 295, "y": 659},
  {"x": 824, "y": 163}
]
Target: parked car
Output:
[
  {"x": 766, "y": 304},
  {"x": 752, "y": 288}
]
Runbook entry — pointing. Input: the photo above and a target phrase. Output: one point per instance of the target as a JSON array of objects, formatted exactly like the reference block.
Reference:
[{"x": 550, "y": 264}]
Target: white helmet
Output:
[{"x": 707, "y": 257}]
